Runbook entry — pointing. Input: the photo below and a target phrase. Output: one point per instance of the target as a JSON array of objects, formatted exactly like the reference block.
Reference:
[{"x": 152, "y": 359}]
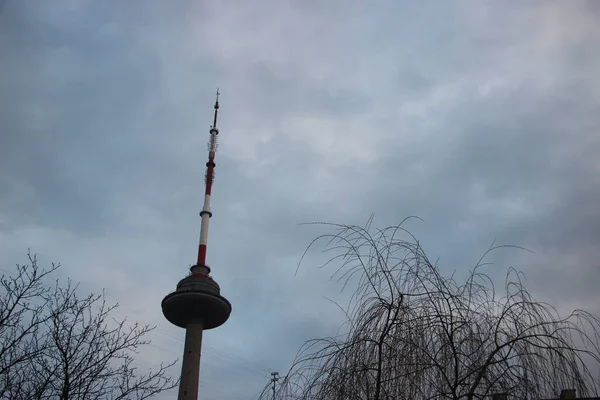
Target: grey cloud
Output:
[
  {"x": 517, "y": 147},
  {"x": 105, "y": 123},
  {"x": 62, "y": 151},
  {"x": 292, "y": 94}
]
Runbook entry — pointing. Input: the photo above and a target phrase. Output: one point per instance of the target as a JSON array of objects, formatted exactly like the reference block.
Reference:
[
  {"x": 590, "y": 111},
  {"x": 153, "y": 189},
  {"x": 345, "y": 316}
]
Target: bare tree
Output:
[
  {"x": 413, "y": 333},
  {"x": 55, "y": 344},
  {"x": 23, "y": 301}
]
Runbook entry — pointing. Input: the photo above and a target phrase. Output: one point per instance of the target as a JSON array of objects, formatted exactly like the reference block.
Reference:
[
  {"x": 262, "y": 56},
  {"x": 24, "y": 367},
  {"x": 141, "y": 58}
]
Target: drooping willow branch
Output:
[{"x": 414, "y": 333}]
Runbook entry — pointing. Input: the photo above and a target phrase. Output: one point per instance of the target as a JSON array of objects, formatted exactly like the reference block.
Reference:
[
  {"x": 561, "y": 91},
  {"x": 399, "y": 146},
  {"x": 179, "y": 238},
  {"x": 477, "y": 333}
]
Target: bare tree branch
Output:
[
  {"x": 416, "y": 334},
  {"x": 57, "y": 344}
]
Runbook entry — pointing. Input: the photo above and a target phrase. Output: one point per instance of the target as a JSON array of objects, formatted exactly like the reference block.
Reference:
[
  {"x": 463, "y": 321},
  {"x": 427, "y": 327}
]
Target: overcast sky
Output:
[{"x": 480, "y": 117}]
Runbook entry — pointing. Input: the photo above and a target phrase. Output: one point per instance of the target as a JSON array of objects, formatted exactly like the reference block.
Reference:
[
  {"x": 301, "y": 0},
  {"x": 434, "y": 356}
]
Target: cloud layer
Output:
[{"x": 480, "y": 118}]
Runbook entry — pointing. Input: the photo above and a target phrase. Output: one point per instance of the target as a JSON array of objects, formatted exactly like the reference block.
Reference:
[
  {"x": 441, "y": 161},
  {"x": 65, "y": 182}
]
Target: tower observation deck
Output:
[{"x": 197, "y": 305}]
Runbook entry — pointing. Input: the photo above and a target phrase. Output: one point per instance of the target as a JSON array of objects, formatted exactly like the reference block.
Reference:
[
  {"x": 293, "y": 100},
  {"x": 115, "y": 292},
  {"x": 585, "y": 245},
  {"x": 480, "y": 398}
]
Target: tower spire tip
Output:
[{"x": 216, "y": 109}]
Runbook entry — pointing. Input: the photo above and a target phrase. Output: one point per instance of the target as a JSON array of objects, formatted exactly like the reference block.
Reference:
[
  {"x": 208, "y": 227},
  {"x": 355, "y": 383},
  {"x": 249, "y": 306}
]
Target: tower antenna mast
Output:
[
  {"x": 197, "y": 305},
  {"x": 206, "y": 214}
]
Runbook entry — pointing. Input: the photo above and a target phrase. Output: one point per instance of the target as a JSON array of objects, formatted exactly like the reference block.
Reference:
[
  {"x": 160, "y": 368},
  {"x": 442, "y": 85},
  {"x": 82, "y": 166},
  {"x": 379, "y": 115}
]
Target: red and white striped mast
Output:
[
  {"x": 197, "y": 304},
  {"x": 206, "y": 214}
]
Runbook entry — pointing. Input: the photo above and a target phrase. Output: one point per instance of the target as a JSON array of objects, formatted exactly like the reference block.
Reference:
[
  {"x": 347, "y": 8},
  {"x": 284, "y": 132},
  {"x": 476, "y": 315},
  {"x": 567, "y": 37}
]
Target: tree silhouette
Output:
[
  {"x": 55, "y": 344},
  {"x": 413, "y": 333}
]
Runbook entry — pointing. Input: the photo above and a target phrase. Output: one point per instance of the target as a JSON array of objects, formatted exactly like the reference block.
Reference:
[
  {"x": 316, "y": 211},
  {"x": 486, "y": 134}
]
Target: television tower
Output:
[{"x": 197, "y": 305}]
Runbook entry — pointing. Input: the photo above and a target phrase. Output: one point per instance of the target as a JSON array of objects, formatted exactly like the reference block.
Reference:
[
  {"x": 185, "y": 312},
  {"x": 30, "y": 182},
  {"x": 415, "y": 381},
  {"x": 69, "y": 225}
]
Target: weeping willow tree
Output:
[{"x": 413, "y": 333}]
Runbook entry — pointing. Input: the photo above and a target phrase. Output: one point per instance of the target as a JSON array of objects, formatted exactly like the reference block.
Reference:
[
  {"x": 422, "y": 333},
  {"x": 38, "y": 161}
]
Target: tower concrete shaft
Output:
[
  {"x": 190, "y": 367},
  {"x": 197, "y": 304}
]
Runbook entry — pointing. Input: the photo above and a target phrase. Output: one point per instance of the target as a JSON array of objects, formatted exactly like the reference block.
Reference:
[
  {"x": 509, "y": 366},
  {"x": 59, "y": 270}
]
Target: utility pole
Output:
[{"x": 274, "y": 379}]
